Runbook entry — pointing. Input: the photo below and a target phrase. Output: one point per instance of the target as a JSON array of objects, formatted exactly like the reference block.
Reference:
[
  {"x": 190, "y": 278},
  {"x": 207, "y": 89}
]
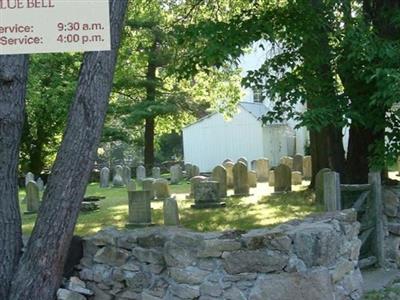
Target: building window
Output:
[{"x": 257, "y": 95}]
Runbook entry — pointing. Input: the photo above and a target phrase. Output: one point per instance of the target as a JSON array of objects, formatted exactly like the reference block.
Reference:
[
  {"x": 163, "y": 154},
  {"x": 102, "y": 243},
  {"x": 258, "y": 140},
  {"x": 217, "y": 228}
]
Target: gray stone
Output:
[
  {"x": 390, "y": 203},
  {"x": 234, "y": 294},
  {"x": 171, "y": 212},
  {"x": 394, "y": 228},
  {"x": 140, "y": 173},
  {"x": 332, "y": 191},
  {"x": 206, "y": 195},
  {"x": 118, "y": 180},
  {"x": 343, "y": 267},
  {"x": 185, "y": 291},
  {"x": 32, "y": 197},
  {"x": 240, "y": 179},
  {"x": 219, "y": 174},
  {"x": 271, "y": 178},
  {"x": 63, "y": 294},
  {"x": 148, "y": 185},
  {"x": 137, "y": 281},
  {"x": 112, "y": 256},
  {"x": 176, "y": 174},
  {"x": 298, "y": 161},
  {"x": 319, "y": 185},
  {"x": 40, "y": 184},
  {"x": 297, "y": 178},
  {"x": 215, "y": 247},
  {"x": 139, "y": 208},
  {"x": 262, "y": 169},
  {"x": 252, "y": 179},
  {"x": 194, "y": 171},
  {"x": 131, "y": 186},
  {"x": 161, "y": 189},
  {"x": 156, "y": 172},
  {"x": 193, "y": 182},
  {"x": 104, "y": 177},
  {"x": 283, "y": 179},
  {"x": 188, "y": 170},
  {"x": 211, "y": 289},
  {"x": 244, "y": 161},
  {"x": 228, "y": 165},
  {"x": 29, "y": 177},
  {"x": 295, "y": 265},
  {"x": 126, "y": 174},
  {"x": 150, "y": 256},
  {"x": 189, "y": 275},
  {"x": 307, "y": 167}
]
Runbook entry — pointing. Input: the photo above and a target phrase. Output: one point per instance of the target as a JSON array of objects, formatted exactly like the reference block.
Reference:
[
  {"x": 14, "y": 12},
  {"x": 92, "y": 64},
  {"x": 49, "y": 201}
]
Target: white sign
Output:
[{"x": 41, "y": 26}]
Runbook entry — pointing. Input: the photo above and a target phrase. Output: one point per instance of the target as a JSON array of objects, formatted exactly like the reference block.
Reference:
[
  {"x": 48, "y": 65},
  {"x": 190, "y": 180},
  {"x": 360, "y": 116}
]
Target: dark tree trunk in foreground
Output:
[
  {"x": 13, "y": 77},
  {"x": 40, "y": 269}
]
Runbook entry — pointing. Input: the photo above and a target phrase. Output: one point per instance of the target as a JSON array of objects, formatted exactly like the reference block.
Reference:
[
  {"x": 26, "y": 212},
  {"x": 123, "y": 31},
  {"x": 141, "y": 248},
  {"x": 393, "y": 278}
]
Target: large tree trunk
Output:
[
  {"x": 40, "y": 269},
  {"x": 13, "y": 77}
]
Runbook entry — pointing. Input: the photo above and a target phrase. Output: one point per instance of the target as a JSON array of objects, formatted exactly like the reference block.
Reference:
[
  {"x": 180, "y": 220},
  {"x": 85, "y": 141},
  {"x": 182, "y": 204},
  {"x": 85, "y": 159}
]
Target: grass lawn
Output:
[{"x": 240, "y": 213}]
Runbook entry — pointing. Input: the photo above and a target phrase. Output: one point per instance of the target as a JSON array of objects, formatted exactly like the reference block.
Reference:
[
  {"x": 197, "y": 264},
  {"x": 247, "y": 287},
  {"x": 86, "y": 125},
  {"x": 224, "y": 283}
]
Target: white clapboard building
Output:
[{"x": 212, "y": 139}]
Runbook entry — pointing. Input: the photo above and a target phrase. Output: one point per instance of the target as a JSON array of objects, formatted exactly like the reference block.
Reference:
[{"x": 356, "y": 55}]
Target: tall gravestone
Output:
[
  {"x": 140, "y": 173},
  {"x": 332, "y": 192},
  {"x": 156, "y": 172},
  {"x": 206, "y": 195},
  {"x": 29, "y": 177},
  {"x": 240, "y": 179},
  {"x": 195, "y": 171},
  {"x": 228, "y": 165},
  {"x": 104, "y": 177},
  {"x": 244, "y": 160},
  {"x": 193, "y": 182},
  {"x": 253, "y": 165},
  {"x": 271, "y": 178},
  {"x": 161, "y": 189},
  {"x": 148, "y": 185},
  {"x": 126, "y": 174},
  {"x": 288, "y": 161},
  {"x": 171, "y": 212},
  {"x": 307, "y": 167},
  {"x": 283, "y": 179},
  {"x": 188, "y": 170},
  {"x": 131, "y": 186},
  {"x": 32, "y": 198},
  {"x": 219, "y": 174},
  {"x": 262, "y": 169},
  {"x": 252, "y": 179},
  {"x": 40, "y": 184},
  {"x": 298, "y": 163},
  {"x": 118, "y": 180},
  {"x": 319, "y": 185},
  {"x": 176, "y": 174},
  {"x": 139, "y": 208}
]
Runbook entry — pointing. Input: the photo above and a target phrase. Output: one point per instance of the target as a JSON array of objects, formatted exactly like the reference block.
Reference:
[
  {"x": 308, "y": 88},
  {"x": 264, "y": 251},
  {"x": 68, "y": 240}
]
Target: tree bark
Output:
[
  {"x": 13, "y": 78},
  {"x": 40, "y": 269}
]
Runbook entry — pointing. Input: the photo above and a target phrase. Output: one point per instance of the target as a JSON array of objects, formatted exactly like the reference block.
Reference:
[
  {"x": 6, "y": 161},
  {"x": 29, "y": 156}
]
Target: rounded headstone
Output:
[
  {"x": 297, "y": 178},
  {"x": 262, "y": 169},
  {"x": 104, "y": 177},
  {"x": 229, "y": 174},
  {"x": 148, "y": 185},
  {"x": 240, "y": 179},
  {"x": 283, "y": 179},
  {"x": 161, "y": 189},
  {"x": 219, "y": 174},
  {"x": 171, "y": 212},
  {"x": 252, "y": 179},
  {"x": 298, "y": 163},
  {"x": 118, "y": 180},
  {"x": 307, "y": 167}
]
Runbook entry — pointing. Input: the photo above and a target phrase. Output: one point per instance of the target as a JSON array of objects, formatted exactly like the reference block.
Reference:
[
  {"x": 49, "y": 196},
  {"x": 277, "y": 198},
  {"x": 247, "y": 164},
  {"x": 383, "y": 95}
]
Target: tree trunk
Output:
[
  {"x": 40, "y": 269},
  {"x": 149, "y": 143},
  {"x": 13, "y": 78}
]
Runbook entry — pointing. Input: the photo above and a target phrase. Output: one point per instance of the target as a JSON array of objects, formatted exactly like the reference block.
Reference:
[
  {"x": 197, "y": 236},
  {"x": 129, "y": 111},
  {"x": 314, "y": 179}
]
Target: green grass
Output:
[{"x": 240, "y": 213}]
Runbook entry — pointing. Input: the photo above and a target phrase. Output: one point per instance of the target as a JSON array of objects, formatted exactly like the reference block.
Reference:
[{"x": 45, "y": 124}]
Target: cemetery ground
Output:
[{"x": 245, "y": 213}]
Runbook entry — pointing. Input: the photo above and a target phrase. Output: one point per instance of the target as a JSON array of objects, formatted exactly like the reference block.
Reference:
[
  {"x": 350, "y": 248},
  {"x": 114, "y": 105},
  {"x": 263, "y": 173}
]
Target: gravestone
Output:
[
  {"x": 229, "y": 174},
  {"x": 104, "y": 177},
  {"x": 240, "y": 179},
  {"x": 307, "y": 167},
  {"x": 161, "y": 189},
  {"x": 131, "y": 186},
  {"x": 176, "y": 174},
  {"x": 206, "y": 195},
  {"x": 148, "y": 185},
  {"x": 139, "y": 208},
  {"x": 298, "y": 163},
  {"x": 227, "y": 160},
  {"x": 253, "y": 165},
  {"x": 156, "y": 172},
  {"x": 283, "y": 179},
  {"x": 140, "y": 173},
  {"x": 262, "y": 169},
  {"x": 252, "y": 178},
  {"x": 271, "y": 178},
  {"x": 188, "y": 170},
  {"x": 219, "y": 174},
  {"x": 193, "y": 182},
  {"x": 32, "y": 198},
  {"x": 319, "y": 185},
  {"x": 288, "y": 161},
  {"x": 244, "y": 160},
  {"x": 171, "y": 212},
  {"x": 118, "y": 180},
  {"x": 126, "y": 174},
  {"x": 297, "y": 178},
  {"x": 29, "y": 177},
  {"x": 332, "y": 192},
  {"x": 194, "y": 171},
  {"x": 40, "y": 184}
]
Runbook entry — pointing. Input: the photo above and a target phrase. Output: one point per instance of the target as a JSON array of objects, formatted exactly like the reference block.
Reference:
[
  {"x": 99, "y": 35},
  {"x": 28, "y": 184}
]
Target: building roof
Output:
[{"x": 256, "y": 109}]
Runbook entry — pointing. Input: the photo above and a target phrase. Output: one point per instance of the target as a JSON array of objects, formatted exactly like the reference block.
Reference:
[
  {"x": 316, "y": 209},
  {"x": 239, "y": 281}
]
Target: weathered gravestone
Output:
[
  {"x": 307, "y": 167},
  {"x": 131, "y": 186},
  {"x": 140, "y": 173},
  {"x": 252, "y": 178},
  {"x": 188, "y": 170},
  {"x": 118, "y": 180},
  {"x": 283, "y": 179},
  {"x": 148, "y": 185},
  {"x": 228, "y": 165},
  {"x": 332, "y": 192},
  {"x": 262, "y": 169},
  {"x": 29, "y": 177},
  {"x": 176, "y": 174},
  {"x": 297, "y": 178},
  {"x": 40, "y": 184},
  {"x": 240, "y": 179},
  {"x": 171, "y": 212},
  {"x": 104, "y": 177},
  {"x": 156, "y": 172},
  {"x": 193, "y": 182},
  {"x": 319, "y": 185},
  {"x": 298, "y": 163},
  {"x": 253, "y": 165},
  {"x": 126, "y": 174},
  {"x": 271, "y": 178},
  {"x": 139, "y": 208},
  {"x": 244, "y": 160},
  {"x": 206, "y": 195},
  {"x": 288, "y": 161},
  {"x": 161, "y": 189},
  {"x": 195, "y": 171},
  {"x": 219, "y": 174},
  {"x": 32, "y": 198}
]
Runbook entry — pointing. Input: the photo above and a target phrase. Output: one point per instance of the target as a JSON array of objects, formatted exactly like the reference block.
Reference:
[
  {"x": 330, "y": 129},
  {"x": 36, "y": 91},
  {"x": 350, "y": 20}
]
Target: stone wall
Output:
[
  {"x": 310, "y": 259},
  {"x": 391, "y": 209}
]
